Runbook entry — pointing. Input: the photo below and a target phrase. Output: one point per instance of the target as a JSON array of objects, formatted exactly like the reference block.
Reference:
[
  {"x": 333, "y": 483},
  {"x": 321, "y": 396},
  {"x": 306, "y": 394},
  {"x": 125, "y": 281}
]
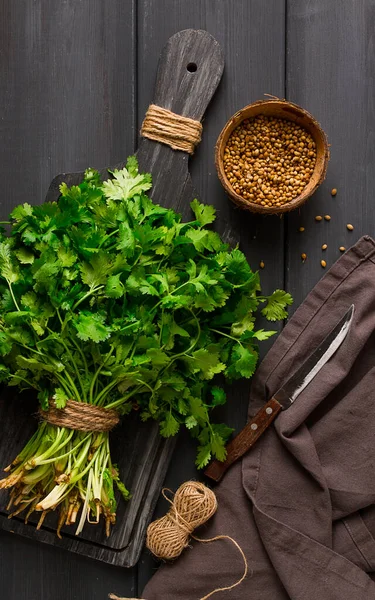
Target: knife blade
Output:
[{"x": 284, "y": 397}]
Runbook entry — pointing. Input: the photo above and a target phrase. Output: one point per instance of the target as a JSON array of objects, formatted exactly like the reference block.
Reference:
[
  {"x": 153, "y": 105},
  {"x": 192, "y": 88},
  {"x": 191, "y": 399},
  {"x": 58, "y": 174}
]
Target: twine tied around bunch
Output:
[
  {"x": 81, "y": 416},
  {"x": 178, "y": 132}
]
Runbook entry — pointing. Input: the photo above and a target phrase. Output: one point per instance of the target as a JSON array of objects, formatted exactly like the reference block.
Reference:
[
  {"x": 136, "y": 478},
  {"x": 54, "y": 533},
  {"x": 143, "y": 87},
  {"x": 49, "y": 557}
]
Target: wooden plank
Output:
[
  {"x": 140, "y": 452},
  {"x": 330, "y": 62},
  {"x": 33, "y": 571},
  {"x": 67, "y": 91},
  {"x": 251, "y": 34}
]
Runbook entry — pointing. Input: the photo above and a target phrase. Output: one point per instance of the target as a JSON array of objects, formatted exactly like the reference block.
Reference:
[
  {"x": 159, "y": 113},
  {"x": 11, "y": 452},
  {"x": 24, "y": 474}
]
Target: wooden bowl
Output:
[{"x": 285, "y": 110}]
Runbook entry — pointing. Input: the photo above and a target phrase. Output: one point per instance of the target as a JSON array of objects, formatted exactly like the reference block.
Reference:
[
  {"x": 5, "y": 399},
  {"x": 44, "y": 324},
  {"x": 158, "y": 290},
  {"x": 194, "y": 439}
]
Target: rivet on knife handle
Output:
[{"x": 245, "y": 439}]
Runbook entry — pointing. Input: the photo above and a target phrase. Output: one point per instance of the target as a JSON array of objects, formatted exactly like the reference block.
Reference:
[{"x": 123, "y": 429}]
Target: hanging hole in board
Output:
[{"x": 192, "y": 67}]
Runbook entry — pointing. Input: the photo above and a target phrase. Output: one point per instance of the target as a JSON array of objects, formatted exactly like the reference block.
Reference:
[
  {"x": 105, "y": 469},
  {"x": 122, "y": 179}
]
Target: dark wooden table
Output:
[{"x": 76, "y": 78}]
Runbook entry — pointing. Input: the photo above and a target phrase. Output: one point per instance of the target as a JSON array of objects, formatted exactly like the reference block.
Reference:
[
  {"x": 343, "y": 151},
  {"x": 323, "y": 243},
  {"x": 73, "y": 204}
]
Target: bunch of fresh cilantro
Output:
[{"x": 109, "y": 299}]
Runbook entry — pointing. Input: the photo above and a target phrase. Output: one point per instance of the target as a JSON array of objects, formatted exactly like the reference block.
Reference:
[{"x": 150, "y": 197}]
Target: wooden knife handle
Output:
[{"x": 245, "y": 439}]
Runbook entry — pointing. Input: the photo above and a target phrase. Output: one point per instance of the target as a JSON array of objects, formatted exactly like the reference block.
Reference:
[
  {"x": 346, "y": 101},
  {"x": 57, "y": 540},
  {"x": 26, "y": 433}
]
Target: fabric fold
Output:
[{"x": 301, "y": 503}]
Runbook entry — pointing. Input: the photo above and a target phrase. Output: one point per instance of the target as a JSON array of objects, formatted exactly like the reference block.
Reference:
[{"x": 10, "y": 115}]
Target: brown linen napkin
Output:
[{"x": 301, "y": 504}]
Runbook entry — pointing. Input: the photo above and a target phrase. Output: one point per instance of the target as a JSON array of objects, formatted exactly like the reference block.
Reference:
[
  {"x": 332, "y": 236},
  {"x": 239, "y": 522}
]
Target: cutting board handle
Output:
[{"x": 190, "y": 68}]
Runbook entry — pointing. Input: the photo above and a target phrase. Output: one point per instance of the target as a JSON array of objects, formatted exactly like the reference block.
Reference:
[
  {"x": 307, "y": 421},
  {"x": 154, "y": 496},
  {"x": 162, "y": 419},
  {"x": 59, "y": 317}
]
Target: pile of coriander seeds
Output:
[{"x": 269, "y": 160}]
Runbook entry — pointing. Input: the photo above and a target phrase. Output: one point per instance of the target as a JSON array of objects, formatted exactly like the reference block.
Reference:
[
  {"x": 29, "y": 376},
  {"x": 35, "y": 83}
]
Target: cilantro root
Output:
[
  {"x": 67, "y": 469},
  {"x": 109, "y": 299}
]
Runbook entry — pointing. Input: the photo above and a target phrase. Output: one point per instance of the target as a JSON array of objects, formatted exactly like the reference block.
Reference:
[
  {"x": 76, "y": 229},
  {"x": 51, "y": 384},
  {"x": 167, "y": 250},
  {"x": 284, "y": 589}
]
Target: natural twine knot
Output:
[
  {"x": 178, "y": 132},
  {"x": 192, "y": 506},
  {"x": 81, "y": 416}
]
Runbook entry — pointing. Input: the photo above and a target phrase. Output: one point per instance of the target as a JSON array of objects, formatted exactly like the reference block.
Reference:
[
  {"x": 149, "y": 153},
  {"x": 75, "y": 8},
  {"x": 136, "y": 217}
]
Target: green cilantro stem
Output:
[
  {"x": 83, "y": 390},
  {"x": 89, "y": 293},
  {"x": 13, "y": 297},
  {"x": 230, "y": 337}
]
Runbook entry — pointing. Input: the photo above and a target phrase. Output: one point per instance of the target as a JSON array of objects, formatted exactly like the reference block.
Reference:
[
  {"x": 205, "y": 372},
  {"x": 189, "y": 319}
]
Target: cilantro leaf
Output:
[
  {"x": 191, "y": 422},
  {"x": 203, "y": 213},
  {"x": 126, "y": 184},
  {"x": 95, "y": 272},
  {"x": 21, "y": 211},
  {"x": 207, "y": 361},
  {"x": 91, "y": 326},
  {"x": 114, "y": 288},
  {"x": 60, "y": 398},
  {"x": 263, "y": 335},
  {"x": 244, "y": 361},
  {"x": 203, "y": 456},
  {"x": 25, "y": 256},
  {"x": 169, "y": 426},
  {"x": 203, "y": 239},
  {"x": 218, "y": 447},
  {"x": 275, "y": 308},
  {"x": 7, "y": 269},
  {"x": 218, "y": 395}
]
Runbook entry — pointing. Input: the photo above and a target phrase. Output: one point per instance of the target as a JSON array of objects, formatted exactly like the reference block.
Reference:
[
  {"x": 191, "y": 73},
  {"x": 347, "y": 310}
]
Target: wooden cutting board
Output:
[{"x": 189, "y": 71}]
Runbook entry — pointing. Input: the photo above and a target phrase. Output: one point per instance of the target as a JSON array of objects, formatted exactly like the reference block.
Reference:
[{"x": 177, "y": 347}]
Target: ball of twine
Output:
[{"x": 192, "y": 506}]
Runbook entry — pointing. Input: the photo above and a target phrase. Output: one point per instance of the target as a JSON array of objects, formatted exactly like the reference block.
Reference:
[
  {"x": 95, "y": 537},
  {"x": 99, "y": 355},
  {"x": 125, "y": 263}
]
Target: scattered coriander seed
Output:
[
  {"x": 269, "y": 160},
  {"x": 327, "y": 217},
  {"x": 303, "y": 256},
  {"x": 342, "y": 248},
  {"x": 261, "y": 264},
  {"x": 333, "y": 192},
  {"x": 324, "y": 247},
  {"x": 318, "y": 218},
  {"x": 323, "y": 263},
  {"x": 301, "y": 229},
  {"x": 350, "y": 227}
]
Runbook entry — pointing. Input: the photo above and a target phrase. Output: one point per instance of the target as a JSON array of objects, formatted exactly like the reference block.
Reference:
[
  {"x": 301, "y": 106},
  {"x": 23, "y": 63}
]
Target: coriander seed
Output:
[
  {"x": 333, "y": 192},
  {"x": 303, "y": 256},
  {"x": 269, "y": 160},
  {"x": 342, "y": 248},
  {"x": 261, "y": 264},
  {"x": 318, "y": 218},
  {"x": 323, "y": 263},
  {"x": 350, "y": 227},
  {"x": 324, "y": 247},
  {"x": 327, "y": 217},
  {"x": 301, "y": 229}
]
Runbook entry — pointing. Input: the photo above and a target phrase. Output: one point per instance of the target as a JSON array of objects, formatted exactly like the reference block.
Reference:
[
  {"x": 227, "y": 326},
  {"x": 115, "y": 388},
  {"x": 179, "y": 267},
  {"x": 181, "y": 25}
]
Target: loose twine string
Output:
[
  {"x": 81, "y": 416},
  {"x": 165, "y": 126},
  {"x": 192, "y": 506}
]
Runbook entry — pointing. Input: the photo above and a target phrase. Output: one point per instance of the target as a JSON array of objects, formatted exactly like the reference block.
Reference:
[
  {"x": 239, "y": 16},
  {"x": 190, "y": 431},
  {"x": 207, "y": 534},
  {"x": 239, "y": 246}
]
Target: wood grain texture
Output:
[
  {"x": 140, "y": 452},
  {"x": 34, "y": 571},
  {"x": 251, "y": 35},
  {"x": 183, "y": 92},
  {"x": 330, "y": 71},
  {"x": 67, "y": 90},
  {"x": 68, "y": 99}
]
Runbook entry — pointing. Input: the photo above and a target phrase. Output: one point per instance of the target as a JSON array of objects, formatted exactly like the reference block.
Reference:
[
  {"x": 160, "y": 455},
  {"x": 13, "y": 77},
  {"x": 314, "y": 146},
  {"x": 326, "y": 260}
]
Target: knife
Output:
[{"x": 283, "y": 398}]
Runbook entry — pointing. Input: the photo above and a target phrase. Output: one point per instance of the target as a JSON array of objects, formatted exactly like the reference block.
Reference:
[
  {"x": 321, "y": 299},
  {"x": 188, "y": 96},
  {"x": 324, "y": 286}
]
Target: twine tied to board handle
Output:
[
  {"x": 192, "y": 506},
  {"x": 178, "y": 132}
]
